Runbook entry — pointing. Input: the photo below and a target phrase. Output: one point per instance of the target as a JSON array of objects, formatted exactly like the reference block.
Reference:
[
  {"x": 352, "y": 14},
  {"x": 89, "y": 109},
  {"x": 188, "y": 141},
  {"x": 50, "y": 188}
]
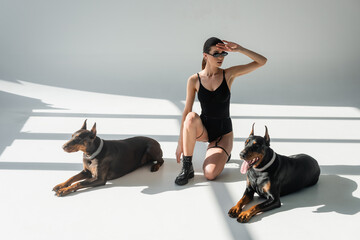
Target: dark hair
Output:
[{"x": 207, "y": 45}]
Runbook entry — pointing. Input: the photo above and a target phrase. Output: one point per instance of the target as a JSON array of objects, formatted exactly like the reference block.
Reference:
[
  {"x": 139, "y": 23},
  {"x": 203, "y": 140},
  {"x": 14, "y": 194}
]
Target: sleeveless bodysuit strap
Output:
[{"x": 199, "y": 77}]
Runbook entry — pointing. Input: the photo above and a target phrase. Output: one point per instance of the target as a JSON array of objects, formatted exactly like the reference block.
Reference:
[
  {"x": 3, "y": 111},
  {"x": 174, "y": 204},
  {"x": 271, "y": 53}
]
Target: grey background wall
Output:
[{"x": 150, "y": 48}]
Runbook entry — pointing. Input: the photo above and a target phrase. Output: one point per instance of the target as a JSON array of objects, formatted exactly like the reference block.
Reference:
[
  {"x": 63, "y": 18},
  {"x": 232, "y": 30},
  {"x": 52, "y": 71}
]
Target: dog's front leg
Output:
[
  {"x": 80, "y": 176},
  {"x": 246, "y": 198},
  {"x": 269, "y": 204},
  {"x": 92, "y": 182}
]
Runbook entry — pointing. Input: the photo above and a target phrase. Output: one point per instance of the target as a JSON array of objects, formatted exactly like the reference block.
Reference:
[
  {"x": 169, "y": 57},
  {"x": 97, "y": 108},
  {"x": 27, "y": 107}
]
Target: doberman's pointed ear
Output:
[
  {"x": 84, "y": 125},
  {"x": 93, "y": 130},
  {"x": 267, "y": 137},
  {"x": 252, "y": 130}
]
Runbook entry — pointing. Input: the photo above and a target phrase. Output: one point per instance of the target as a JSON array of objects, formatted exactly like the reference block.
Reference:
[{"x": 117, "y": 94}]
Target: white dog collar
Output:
[
  {"x": 96, "y": 152},
  {"x": 267, "y": 165}
]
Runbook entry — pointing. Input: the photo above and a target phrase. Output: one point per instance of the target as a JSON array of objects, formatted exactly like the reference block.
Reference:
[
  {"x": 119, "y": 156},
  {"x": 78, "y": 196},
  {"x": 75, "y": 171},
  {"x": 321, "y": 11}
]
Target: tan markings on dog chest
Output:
[
  {"x": 266, "y": 187},
  {"x": 92, "y": 167}
]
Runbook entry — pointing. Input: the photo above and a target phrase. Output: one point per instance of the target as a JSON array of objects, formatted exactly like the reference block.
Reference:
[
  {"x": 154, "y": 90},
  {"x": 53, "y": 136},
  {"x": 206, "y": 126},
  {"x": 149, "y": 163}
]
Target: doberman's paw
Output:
[
  {"x": 234, "y": 212},
  {"x": 59, "y": 186},
  {"x": 63, "y": 192},
  {"x": 244, "y": 217},
  {"x": 155, "y": 167}
]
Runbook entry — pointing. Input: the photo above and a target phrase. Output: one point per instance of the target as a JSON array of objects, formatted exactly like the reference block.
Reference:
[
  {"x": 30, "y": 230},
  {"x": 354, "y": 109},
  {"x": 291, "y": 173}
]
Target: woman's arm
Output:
[
  {"x": 190, "y": 98},
  {"x": 239, "y": 70}
]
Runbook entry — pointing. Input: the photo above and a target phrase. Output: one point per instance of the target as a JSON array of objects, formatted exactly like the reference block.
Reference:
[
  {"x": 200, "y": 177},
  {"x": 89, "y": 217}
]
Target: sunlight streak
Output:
[
  {"x": 124, "y": 126},
  {"x": 64, "y": 100}
]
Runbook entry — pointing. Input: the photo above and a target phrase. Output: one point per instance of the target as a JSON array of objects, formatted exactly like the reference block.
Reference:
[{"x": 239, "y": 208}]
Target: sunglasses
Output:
[{"x": 223, "y": 54}]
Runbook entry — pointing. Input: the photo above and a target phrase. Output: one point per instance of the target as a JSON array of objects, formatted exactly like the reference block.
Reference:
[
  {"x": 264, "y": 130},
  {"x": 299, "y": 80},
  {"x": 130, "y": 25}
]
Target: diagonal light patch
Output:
[
  {"x": 65, "y": 100},
  {"x": 293, "y": 111},
  {"x": 106, "y": 126}
]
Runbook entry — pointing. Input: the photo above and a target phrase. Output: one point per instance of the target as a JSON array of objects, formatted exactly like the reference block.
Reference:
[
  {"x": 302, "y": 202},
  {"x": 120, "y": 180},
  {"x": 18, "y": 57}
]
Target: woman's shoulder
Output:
[
  {"x": 228, "y": 73},
  {"x": 193, "y": 78},
  {"x": 193, "y": 82}
]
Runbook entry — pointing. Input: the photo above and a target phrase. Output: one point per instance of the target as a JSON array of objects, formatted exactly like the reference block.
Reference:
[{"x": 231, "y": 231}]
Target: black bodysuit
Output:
[{"x": 215, "y": 114}]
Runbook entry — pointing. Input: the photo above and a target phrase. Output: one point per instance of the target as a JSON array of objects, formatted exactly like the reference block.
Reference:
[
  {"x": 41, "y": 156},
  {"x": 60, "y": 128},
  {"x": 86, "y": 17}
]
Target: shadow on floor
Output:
[
  {"x": 332, "y": 193},
  {"x": 15, "y": 110},
  {"x": 161, "y": 181}
]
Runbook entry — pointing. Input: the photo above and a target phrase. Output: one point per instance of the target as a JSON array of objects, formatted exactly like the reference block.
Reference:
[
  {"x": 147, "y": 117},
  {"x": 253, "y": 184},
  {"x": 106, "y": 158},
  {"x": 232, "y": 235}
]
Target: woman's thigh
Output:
[
  {"x": 225, "y": 142},
  {"x": 201, "y": 132}
]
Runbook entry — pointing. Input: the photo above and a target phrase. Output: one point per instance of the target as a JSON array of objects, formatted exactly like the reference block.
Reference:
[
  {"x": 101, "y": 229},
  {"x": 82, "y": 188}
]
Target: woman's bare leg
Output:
[
  {"x": 193, "y": 131},
  {"x": 216, "y": 157}
]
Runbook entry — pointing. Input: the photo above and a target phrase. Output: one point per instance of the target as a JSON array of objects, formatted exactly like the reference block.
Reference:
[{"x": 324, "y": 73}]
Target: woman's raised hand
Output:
[{"x": 229, "y": 46}]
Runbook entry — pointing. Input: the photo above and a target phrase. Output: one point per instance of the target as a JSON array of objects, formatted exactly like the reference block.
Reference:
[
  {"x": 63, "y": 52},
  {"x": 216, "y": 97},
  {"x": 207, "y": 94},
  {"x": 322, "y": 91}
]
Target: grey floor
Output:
[{"x": 36, "y": 119}]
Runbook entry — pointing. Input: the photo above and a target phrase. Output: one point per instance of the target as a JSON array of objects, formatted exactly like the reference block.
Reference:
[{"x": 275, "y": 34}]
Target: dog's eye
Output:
[{"x": 77, "y": 140}]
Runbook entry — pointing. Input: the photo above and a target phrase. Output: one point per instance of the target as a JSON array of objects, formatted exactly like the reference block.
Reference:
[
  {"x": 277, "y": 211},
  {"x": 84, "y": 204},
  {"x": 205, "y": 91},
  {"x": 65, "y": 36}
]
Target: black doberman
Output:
[
  {"x": 108, "y": 159},
  {"x": 271, "y": 175}
]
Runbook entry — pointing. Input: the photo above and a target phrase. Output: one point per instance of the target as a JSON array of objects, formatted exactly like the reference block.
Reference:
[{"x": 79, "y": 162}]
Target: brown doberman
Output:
[{"x": 108, "y": 159}]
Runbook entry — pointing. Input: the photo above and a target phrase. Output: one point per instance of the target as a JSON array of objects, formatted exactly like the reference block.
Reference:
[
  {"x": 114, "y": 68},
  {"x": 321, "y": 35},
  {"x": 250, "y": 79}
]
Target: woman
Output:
[{"x": 214, "y": 125}]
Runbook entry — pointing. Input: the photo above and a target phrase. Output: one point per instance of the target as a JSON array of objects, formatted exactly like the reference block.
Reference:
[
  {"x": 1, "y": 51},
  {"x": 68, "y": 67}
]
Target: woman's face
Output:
[{"x": 214, "y": 61}]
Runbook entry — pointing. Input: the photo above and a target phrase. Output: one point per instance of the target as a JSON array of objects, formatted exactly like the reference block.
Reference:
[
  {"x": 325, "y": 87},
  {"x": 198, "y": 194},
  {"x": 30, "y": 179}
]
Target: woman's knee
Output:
[
  {"x": 190, "y": 120},
  {"x": 210, "y": 172}
]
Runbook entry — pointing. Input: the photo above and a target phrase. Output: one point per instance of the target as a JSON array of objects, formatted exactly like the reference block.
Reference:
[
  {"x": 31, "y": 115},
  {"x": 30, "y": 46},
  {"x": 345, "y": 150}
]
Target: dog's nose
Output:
[{"x": 242, "y": 154}]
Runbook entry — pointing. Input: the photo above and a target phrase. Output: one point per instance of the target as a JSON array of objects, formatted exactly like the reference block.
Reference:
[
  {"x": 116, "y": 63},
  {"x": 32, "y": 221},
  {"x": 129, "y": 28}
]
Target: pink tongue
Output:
[{"x": 244, "y": 167}]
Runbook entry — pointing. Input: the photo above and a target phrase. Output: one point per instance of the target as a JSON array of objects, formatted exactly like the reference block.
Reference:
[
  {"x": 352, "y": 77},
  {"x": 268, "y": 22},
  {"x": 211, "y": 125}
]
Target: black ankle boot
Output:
[{"x": 187, "y": 171}]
